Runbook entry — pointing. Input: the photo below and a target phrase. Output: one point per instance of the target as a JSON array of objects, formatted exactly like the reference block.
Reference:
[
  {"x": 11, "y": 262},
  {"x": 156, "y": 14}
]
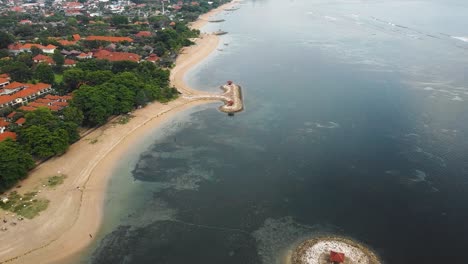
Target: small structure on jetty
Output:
[
  {"x": 232, "y": 98},
  {"x": 326, "y": 250}
]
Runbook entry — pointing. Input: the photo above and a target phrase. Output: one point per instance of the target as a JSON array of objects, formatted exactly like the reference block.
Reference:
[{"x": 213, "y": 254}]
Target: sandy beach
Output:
[{"x": 75, "y": 211}]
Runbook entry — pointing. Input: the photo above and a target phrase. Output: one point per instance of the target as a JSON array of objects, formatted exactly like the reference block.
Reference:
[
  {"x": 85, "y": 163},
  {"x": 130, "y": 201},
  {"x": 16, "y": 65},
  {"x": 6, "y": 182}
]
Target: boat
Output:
[
  {"x": 220, "y": 32},
  {"x": 216, "y": 20},
  {"x": 231, "y": 9}
]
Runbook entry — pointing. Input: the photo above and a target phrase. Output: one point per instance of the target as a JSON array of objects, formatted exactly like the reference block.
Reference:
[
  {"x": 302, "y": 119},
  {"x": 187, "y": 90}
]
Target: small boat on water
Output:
[
  {"x": 216, "y": 20},
  {"x": 220, "y": 32},
  {"x": 231, "y": 9}
]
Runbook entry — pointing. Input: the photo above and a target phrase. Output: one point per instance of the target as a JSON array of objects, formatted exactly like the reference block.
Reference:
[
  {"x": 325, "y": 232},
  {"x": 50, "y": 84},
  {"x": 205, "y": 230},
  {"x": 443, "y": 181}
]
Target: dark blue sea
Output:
[{"x": 356, "y": 124}]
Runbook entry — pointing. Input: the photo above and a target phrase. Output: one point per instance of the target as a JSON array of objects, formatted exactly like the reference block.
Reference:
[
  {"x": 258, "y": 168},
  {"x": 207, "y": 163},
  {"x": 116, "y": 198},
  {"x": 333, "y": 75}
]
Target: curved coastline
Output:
[{"x": 76, "y": 209}]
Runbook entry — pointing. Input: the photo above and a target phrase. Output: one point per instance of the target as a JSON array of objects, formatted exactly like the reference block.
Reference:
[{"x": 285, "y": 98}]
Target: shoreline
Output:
[{"x": 76, "y": 214}]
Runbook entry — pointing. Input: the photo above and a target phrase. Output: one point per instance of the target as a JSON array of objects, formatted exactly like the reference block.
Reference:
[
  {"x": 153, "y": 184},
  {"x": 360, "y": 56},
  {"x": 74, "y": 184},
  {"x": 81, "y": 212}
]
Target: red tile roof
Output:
[
  {"x": 6, "y": 135},
  {"x": 5, "y": 75},
  {"x": 116, "y": 56},
  {"x": 44, "y": 58},
  {"x": 44, "y": 101},
  {"x": 110, "y": 39},
  {"x": 27, "y": 108},
  {"x": 152, "y": 58},
  {"x": 4, "y": 123},
  {"x": 14, "y": 85},
  {"x": 143, "y": 34},
  {"x": 62, "y": 104},
  {"x": 4, "y": 80},
  {"x": 70, "y": 62},
  {"x": 11, "y": 115},
  {"x": 20, "y": 121},
  {"x": 6, "y": 99},
  {"x": 65, "y": 42},
  {"x": 76, "y": 37}
]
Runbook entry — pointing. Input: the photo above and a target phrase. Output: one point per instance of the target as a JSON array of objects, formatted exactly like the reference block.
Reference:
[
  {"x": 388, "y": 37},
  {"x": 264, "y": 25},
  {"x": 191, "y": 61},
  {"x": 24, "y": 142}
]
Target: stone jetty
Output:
[{"x": 232, "y": 98}]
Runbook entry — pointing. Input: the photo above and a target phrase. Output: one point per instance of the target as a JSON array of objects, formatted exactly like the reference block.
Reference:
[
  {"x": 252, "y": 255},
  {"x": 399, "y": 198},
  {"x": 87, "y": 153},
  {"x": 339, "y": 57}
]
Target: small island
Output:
[{"x": 332, "y": 249}]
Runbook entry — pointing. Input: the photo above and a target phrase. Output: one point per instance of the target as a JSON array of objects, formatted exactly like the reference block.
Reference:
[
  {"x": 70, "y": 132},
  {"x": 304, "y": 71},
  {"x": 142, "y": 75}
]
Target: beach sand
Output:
[{"x": 75, "y": 215}]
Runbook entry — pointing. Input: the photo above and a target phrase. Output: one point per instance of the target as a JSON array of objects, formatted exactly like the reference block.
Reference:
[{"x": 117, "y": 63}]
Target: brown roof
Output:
[
  {"x": 27, "y": 108},
  {"x": 4, "y": 80}
]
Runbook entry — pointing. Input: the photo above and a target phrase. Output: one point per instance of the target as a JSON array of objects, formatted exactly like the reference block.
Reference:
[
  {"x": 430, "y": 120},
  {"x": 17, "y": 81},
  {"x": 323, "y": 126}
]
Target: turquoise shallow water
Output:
[{"x": 355, "y": 124}]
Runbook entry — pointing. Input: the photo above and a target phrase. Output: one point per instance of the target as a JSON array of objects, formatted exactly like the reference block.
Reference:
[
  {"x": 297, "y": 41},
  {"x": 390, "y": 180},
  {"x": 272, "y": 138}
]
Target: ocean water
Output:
[{"x": 355, "y": 124}]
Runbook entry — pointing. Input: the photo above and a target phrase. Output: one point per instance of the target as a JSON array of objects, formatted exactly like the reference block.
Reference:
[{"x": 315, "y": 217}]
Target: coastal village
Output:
[{"x": 69, "y": 69}]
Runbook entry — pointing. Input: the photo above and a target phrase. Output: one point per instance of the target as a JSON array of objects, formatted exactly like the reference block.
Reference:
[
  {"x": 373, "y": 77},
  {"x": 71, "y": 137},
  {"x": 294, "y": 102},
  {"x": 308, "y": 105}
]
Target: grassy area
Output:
[
  {"x": 124, "y": 119},
  {"x": 25, "y": 205},
  {"x": 58, "y": 78},
  {"x": 55, "y": 180}
]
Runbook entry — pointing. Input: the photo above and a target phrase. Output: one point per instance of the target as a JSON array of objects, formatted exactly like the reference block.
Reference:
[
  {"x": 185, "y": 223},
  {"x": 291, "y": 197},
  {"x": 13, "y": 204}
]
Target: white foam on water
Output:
[
  {"x": 330, "y": 18},
  {"x": 464, "y": 39},
  {"x": 329, "y": 125},
  {"x": 429, "y": 88},
  {"x": 420, "y": 176},
  {"x": 457, "y": 98}
]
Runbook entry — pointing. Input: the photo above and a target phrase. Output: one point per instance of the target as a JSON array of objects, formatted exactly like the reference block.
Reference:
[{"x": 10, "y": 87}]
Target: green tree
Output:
[
  {"x": 41, "y": 142},
  {"x": 118, "y": 20},
  {"x": 73, "y": 78},
  {"x": 98, "y": 77},
  {"x": 25, "y": 58},
  {"x": 73, "y": 114},
  {"x": 18, "y": 71},
  {"x": 96, "y": 103},
  {"x": 14, "y": 163},
  {"x": 72, "y": 22},
  {"x": 44, "y": 73},
  {"x": 58, "y": 58},
  {"x": 35, "y": 51},
  {"x": 5, "y": 40}
]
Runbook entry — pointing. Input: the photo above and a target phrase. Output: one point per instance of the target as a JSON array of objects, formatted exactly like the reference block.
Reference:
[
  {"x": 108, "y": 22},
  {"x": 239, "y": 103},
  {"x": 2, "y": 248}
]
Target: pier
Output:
[{"x": 232, "y": 98}]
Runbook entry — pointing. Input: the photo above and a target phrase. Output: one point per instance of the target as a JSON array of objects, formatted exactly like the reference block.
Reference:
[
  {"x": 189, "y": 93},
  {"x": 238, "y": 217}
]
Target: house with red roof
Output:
[
  {"x": 17, "y": 48},
  {"x": 3, "y": 125},
  {"x": 41, "y": 58},
  {"x": 82, "y": 56},
  {"x": 7, "y": 134},
  {"x": 109, "y": 39},
  {"x": 4, "y": 82},
  {"x": 12, "y": 88},
  {"x": 143, "y": 34},
  {"x": 152, "y": 58},
  {"x": 69, "y": 63},
  {"x": 116, "y": 56},
  {"x": 20, "y": 121},
  {"x": 25, "y": 22}
]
